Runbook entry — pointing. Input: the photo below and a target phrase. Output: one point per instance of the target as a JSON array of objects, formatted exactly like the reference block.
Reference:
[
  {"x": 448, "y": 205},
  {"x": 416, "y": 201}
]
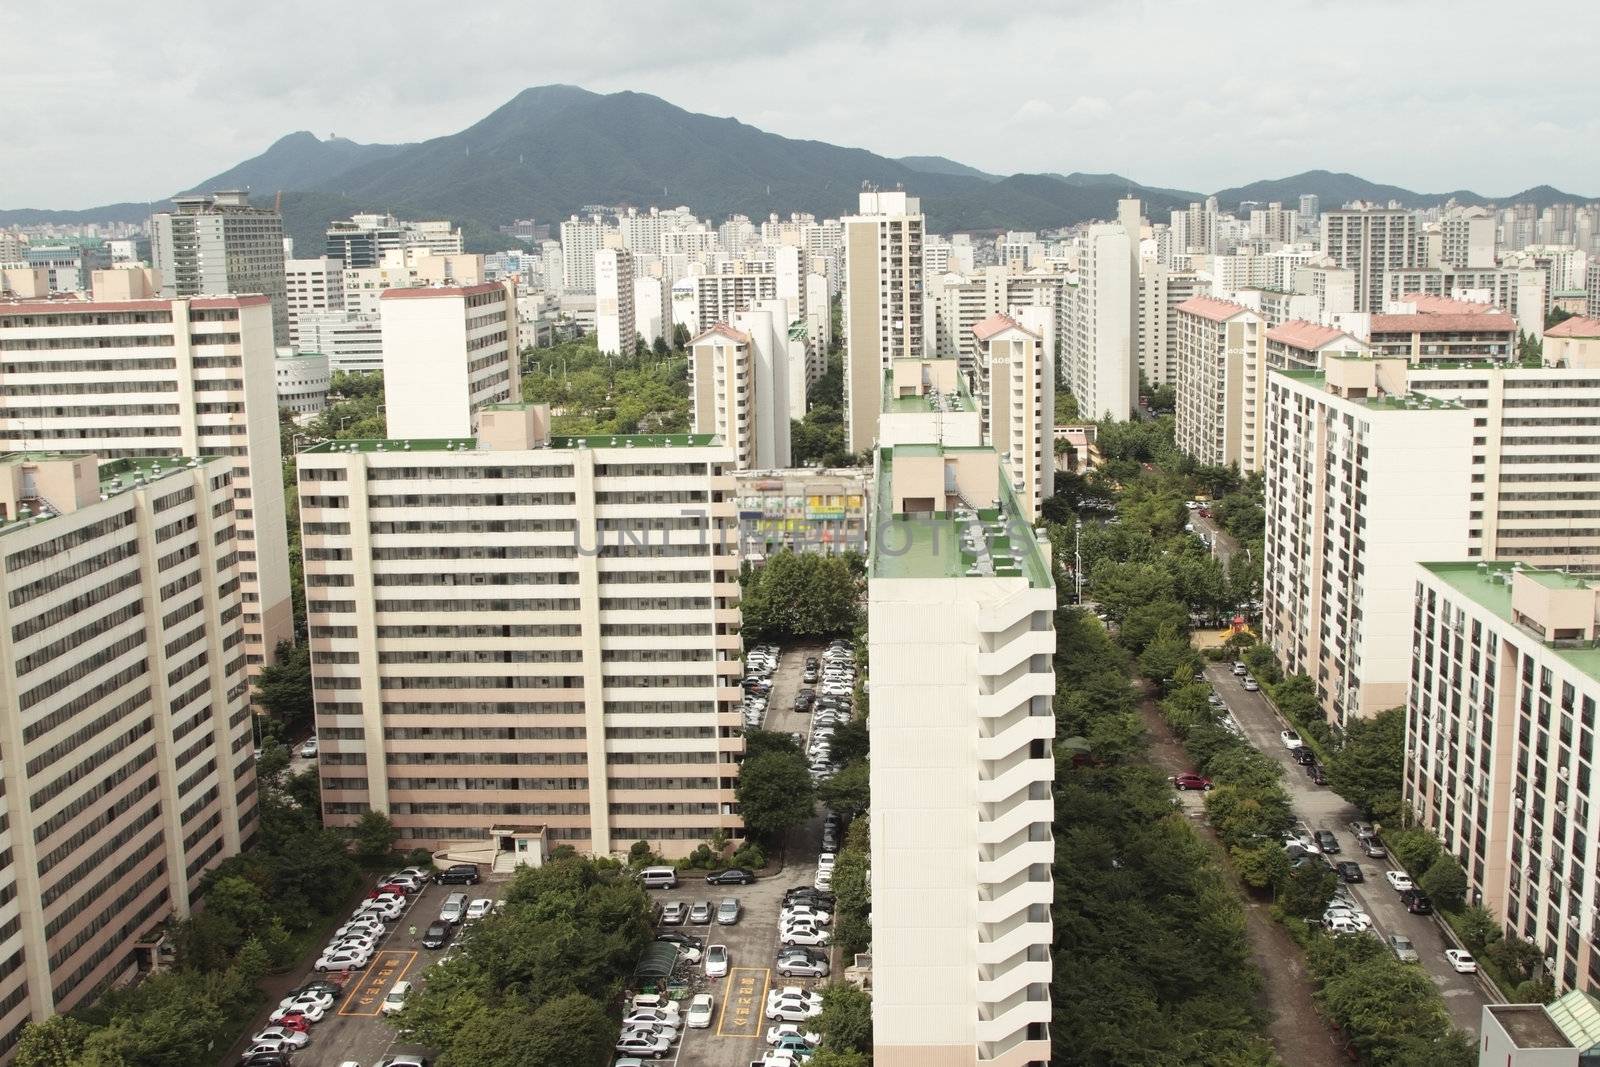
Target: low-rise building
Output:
[
  {"x": 303, "y": 380},
  {"x": 1305, "y": 346},
  {"x": 1574, "y": 342},
  {"x": 1452, "y": 337},
  {"x": 802, "y": 510}
]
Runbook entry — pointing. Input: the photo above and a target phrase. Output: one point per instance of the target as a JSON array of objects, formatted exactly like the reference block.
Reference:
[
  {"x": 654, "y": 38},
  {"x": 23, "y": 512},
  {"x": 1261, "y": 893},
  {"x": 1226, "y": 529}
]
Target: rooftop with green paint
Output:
[
  {"x": 38, "y": 498},
  {"x": 467, "y": 444},
  {"x": 947, "y": 512},
  {"x": 1551, "y": 607},
  {"x": 915, "y": 386}
]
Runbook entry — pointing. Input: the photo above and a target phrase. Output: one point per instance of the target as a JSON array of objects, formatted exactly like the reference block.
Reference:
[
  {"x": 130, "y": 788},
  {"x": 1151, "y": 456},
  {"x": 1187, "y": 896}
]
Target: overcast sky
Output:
[{"x": 102, "y": 102}]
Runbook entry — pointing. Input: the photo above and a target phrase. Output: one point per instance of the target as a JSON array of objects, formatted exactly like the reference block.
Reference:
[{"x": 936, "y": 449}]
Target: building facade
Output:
[
  {"x": 883, "y": 303},
  {"x": 521, "y": 629},
  {"x": 802, "y": 510},
  {"x": 129, "y": 768},
  {"x": 303, "y": 381},
  {"x": 961, "y": 645},
  {"x": 148, "y": 378},
  {"x": 311, "y": 286},
  {"x": 1017, "y": 397},
  {"x": 448, "y": 351},
  {"x": 1099, "y": 364},
  {"x": 1370, "y": 242},
  {"x": 1221, "y": 382},
  {"x": 218, "y": 244},
  {"x": 615, "y": 329}
]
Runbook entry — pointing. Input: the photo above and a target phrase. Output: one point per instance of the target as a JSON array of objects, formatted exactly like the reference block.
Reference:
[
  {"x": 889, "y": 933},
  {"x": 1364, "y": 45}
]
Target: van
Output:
[
  {"x": 659, "y": 877},
  {"x": 455, "y": 908}
]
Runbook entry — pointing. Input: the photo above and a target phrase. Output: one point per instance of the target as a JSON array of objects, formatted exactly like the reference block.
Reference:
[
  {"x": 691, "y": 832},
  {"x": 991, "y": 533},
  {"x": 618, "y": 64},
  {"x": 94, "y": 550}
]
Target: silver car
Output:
[
  {"x": 728, "y": 912},
  {"x": 1404, "y": 950},
  {"x": 799, "y": 966}
]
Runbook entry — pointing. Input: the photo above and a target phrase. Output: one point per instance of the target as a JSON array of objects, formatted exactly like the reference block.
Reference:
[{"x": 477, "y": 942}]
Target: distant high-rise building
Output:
[
  {"x": 129, "y": 772},
  {"x": 740, "y": 383},
  {"x": 1017, "y": 396},
  {"x": 615, "y": 329},
  {"x": 311, "y": 286},
  {"x": 1275, "y": 224},
  {"x": 883, "y": 303},
  {"x": 1370, "y": 242},
  {"x": 448, "y": 351},
  {"x": 364, "y": 240},
  {"x": 1467, "y": 239},
  {"x": 1099, "y": 362},
  {"x": 580, "y": 239},
  {"x": 1161, "y": 290},
  {"x": 1310, "y": 211},
  {"x": 219, "y": 245},
  {"x": 1221, "y": 382}
]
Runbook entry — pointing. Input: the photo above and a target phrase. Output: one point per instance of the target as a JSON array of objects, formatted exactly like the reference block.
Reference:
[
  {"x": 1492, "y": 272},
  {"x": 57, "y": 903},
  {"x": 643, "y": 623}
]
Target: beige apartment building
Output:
[
  {"x": 447, "y": 351},
  {"x": 959, "y": 302},
  {"x": 1161, "y": 290},
  {"x": 1373, "y": 466},
  {"x": 311, "y": 287},
  {"x": 1573, "y": 343},
  {"x": 961, "y": 607},
  {"x": 129, "y": 769},
  {"x": 741, "y": 381},
  {"x": 1016, "y": 373},
  {"x": 1221, "y": 382},
  {"x": 616, "y": 331},
  {"x": 150, "y": 377},
  {"x": 883, "y": 303},
  {"x": 1305, "y": 346},
  {"x": 1370, "y": 242},
  {"x": 520, "y": 630}
]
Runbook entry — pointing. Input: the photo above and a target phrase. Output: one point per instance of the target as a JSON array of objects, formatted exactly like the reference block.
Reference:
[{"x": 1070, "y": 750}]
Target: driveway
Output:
[
  {"x": 1323, "y": 809},
  {"x": 1223, "y": 544}
]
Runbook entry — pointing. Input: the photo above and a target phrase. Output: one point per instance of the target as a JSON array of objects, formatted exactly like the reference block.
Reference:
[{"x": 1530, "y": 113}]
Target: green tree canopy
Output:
[
  {"x": 1368, "y": 770},
  {"x": 775, "y": 792}
]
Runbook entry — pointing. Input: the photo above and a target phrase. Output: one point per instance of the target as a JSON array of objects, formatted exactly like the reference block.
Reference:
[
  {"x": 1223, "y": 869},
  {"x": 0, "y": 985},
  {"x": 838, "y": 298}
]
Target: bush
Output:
[
  {"x": 1445, "y": 882},
  {"x": 750, "y": 855},
  {"x": 419, "y": 857},
  {"x": 1477, "y": 928},
  {"x": 1415, "y": 848}
]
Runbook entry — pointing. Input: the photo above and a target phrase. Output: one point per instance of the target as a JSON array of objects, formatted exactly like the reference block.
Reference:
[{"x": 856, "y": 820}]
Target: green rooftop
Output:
[
  {"x": 1487, "y": 586},
  {"x": 114, "y": 476},
  {"x": 931, "y": 546},
  {"x": 1417, "y": 400},
  {"x": 458, "y": 444},
  {"x": 380, "y": 444},
  {"x": 913, "y": 405},
  {"x": 635, "y": 440}
]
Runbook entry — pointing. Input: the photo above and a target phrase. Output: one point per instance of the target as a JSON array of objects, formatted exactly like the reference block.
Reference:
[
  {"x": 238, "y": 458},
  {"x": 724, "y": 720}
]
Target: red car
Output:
[
  {"x": 294, "y": 1021},
  {"x": 1205, "y": 513},
  {"x": 1191, "y": 780},
  {"x": 393, "y": 889}
]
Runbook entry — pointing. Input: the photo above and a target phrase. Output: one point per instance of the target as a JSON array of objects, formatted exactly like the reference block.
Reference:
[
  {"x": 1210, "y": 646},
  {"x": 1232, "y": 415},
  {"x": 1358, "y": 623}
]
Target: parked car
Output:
[
  {"x": 1404, "y": 950},
  {"x": 651, "y": 1019},
  {"x": 797, "y": 966},
  {"x": 795, "y": 911},
  {"x": 1303, "y": 756},
  {"x": 1190, "y": 780},
  {"x": 291, "y": 1038},
  {"x": 458, "y": 874},
  {"x": 731, "y": 876},
  {"x": 643, "y": 1043},
  {"x": 396, "y": 998},
  {"x": 436, "y": 935},
  {"x": 1326, "y": 841},
  {"x": 1251, "y": 685},
  {"x": 1349, "y": 871},
  {"x": 700, "y": 1011},
  {"x": 1417, "y": 902},
  {"x": 1371, "y": 848},
  {"x": 1361, "y": 829},
  {"x": 728, "y": 912},
  {"x": 479, "y": 908},
  {"x": 673, "y": 913},
  {"x": 309, "y": 748},
  {"x": 1461, "y": 960},
  {"x": 716, "y": 961},
  {"x": 309, "y": 1008},
  {"x": 342, "y": 960},
  {"x": 1290, "y": 739},
  {"x": 1239, "y": 669},
  {"x": 1344, "y": 924},
  {"x": 779, "y": 1032},
  {"x": 700, "y": 912},
  {"x": 1399, "y": 880}
]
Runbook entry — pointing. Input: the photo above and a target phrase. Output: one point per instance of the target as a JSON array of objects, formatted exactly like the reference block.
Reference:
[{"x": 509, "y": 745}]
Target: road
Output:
[
  {"x": 1223, "y": 544},
  {"x": 1323, "y": 809}
]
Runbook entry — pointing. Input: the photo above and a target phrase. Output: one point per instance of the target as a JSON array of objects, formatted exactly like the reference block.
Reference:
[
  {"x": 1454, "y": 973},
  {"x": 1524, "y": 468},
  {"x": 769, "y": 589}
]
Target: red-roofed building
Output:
[
  {"x": 1221, "y": 378},
  {"x": 1426, "y": 304},
  {"x": 1452, "y": 337},
  {"x": 1016, "y": 374},
  {"x": 1574, "y": 342},
  {"x": 1298, "y": 345}
]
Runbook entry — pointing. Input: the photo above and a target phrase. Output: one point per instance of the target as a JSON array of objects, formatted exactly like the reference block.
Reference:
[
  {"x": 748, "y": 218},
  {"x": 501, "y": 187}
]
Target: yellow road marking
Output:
[
  {"x": 388, "y": 967},
  {"x": 742, "y": 1001}
]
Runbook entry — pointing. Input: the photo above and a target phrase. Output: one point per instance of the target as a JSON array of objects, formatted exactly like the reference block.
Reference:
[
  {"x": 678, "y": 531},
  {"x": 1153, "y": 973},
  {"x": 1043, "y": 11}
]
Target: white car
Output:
[
  {"x": 479, "y": 908},
  {"x": 1251, "y": 685},
  {"x": 779, "y": 1031},
  {"x": 1461, "y": 960},
  {"x": 802, "y": 935},
  {"x": 292, "y": 1038},
  {"x": 342, "y": 960},
  {"x": 1290, "y": 739},
  {"x": 1344, "y": 924},
  {"x": 368, "y": 945},
  {"x": 805, "y": 911},
  {"x": 300, "y": 1001},
  {"x": 396, "y": 998},
  {"x": 716, "y": 961},
  {"x": 643, "y": 1043},
  {"x": 650, "y": 1019},
  {"x": 827, "y": 859},
  {"x": 1400, "y": 881},
  {"x": 823, "y": 881},
  {"x": 368, "y": 924},
  {"x": 701, "y": 1008},
  {"x": 309, "y": 749},
  {"x": 383, "y": 909},
  {"x": 654, "y": 1002},
  {"x": 666, "y": 1030},
  {"x": 793, "y": 1004}
]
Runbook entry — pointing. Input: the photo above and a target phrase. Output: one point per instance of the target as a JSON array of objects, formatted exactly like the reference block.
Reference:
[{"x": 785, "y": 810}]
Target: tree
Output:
[
  {"x": 775, "y": 792},
  {"x": 1308, "y": 889},
  {"x": 1445, "y": 882},
  {"x": 1262, "y": 865},
  {"x": 760, "y": 742},
  {"x": 374, "y": 836},
  {"x": 852, "y": 929},
  {"x": 1367, "y": 770},
  {"x": 283, "y": 689},
  {"x": 848, "y": 790},
  {"x": 56, "y": 1042},
  {"x": 1414, "y": 847},
  {"x": 1478, "y": 928},
  {"x": 827, "y": 1057},
  {"x": 846, "y": 1019}
]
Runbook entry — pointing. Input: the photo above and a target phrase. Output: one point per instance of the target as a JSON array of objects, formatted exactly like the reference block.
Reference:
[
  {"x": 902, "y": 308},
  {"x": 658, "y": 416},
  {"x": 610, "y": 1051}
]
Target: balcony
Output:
[
  {"x": 1017, "y": 977},
  {"x": 1020, "y": 1050},
  {"x": 1016, "y": 779},
  {"x": 1012, "y": 936},
  {"x": 1014, "y": 860},
  {"x": 1019, "y": 894},
  {"x": 1019, "y": 691},
  {"x": 1017, "y": 735},
  {"x": 1025, "y": 812},
  {"x": 1026, "y": 644},
  {"x": 1033, "y": 1006}
]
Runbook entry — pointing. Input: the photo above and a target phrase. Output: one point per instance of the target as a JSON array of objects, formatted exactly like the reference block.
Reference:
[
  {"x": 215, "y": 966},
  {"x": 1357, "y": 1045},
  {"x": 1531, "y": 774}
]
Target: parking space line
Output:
[
  {"x": 742, "y": 1002},
  {"x": 371, "y": 987}
]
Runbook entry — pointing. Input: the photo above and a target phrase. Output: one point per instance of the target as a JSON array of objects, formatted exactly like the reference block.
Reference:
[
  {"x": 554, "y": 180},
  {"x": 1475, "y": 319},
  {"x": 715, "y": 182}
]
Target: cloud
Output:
[{"x": 1179, "y": 94}]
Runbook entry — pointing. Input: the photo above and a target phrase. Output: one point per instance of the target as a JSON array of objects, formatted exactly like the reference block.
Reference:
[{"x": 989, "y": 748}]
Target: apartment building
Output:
[
  {"x": 129, "y": 771},
  {"x": 1500, "y": 746},
  {"x": 802, "y": 510},
  {"x": 740, "y": 378},
  {"x": 1467, "y": 238},
  {"x": 1221, "y": 382},
  {"x": 1161, "y": 290},
  {"x": 1466, "y": 333},
  {"x": 311, "y": 286},
  {"x": 1370, "y": 242},
  {"x": 1017, "y": 396},
  {"x": 615, "y": 330},
  {"x": 961, "y": 607},
  {"x": 151, "y": 378},
  {"x": 961, "y": 302},
  {"x": 883, "y": 303},
  {"x": 1519, "y": 290},
  {"x": 352, "y": 343},
  {"x": 1099, "y": 364},
  {"x": 1573, "y": 342},
  {"x": 1298, "y": 345},
  {"x": 219, "y": 244},
  {"x": 448, "y": 351},
  {"x": 519, "y": 629},
  {"x": 1373, "y": 466},
  {"x": 364, "y": 240},
  {"x": 1275, "y": 223},
  {"x": 580, "y": 239}
]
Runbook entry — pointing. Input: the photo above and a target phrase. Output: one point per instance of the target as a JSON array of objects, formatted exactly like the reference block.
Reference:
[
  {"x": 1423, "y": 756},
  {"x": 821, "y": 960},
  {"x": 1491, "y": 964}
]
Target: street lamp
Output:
[{"x": 1077, "y": 558}]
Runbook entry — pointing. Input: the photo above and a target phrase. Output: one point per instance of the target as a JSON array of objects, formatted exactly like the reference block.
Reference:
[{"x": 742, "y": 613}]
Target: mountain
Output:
[
  {"x": 551, "y": 150},
  {"x": 941, "y": 165},
  {"x": 1336, "y": 189}
]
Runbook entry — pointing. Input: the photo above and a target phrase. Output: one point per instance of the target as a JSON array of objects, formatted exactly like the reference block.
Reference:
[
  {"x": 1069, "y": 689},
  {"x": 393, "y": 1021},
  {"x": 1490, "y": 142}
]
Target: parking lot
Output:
[
  {"x": 355, "y": 1030},
  {"x": 1320, "y": 808}
]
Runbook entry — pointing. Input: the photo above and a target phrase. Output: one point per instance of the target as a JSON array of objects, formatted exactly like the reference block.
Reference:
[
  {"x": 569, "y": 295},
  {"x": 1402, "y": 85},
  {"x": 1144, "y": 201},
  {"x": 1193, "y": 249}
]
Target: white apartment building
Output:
[
  {"x": 580, "y": 240},
  {"x": 615, "y": 330},
  {"x": 352, "y": 343},
  {"x": 1372, "y": 466},
  {"x": 1505, "y": 680},
  {"x": 1334, "y": 287},
  {"x": 651, "y": 316},
  {"x": 1275, "y": 223},
  {"x": 1017, "y": 396},
  {"x": 1221, "y": 383},
  {"x": 1370, "y": 242},
  {"x": 1100, "y": 365},
  {"x": 740, "y": 381},
  {"x": 1161, "y": 290},
  {"x": 1467, "y": 239},
  {"x": 519, "y": 630},
  {"x": 219, "y": 244},
  {"x": 961, "y": 302},
  {"x": 311, "y": 286},
  {"x": 153, "y": 378},
  {"x": 448, "y": 351},
  {"x": 303, "y": 379},
  {"x": 129, "y": 771},
  {"x": 883, "y": 303},
  {"x": 1519, "y": 290},
  {"x": 961, "y": 607}
]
